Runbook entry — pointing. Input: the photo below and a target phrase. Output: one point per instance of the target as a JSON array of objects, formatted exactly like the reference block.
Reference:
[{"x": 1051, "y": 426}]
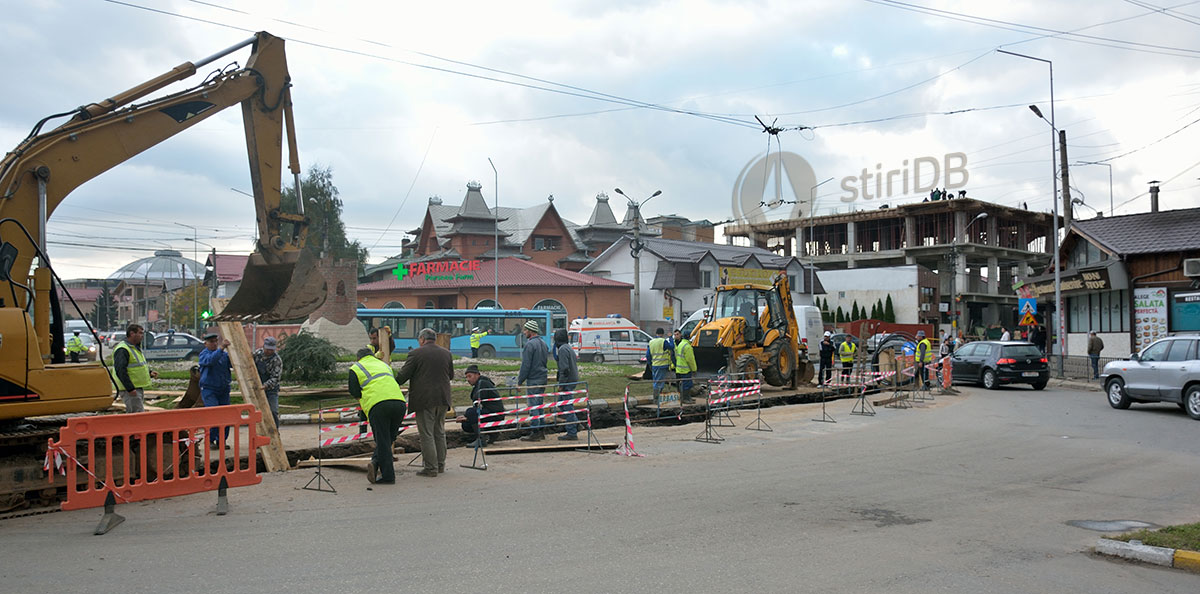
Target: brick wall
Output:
[{"x": 341, "y": 298}]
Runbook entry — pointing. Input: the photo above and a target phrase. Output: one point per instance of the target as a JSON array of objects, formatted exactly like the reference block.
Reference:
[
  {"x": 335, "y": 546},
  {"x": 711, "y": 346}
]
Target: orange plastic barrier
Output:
[{"x": 152, "y": 455}]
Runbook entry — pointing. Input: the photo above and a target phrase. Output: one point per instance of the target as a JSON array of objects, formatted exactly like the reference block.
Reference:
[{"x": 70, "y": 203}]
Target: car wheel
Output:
[
  {"x": 597, "y": 358},
  {"x": 1116, "y": 394},
  {"x": 191, "y": 356},
  {"x": 989, "y": 379},
  {"x": 487, "y": 352},
  {"x": 1039, "y": 385},
  {"x": 1191, "y": 399}
]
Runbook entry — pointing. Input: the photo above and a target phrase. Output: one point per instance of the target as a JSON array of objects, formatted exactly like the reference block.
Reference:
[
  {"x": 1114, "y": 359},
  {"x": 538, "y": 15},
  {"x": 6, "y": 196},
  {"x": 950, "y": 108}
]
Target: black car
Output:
[{"x": 993, "y": 363}]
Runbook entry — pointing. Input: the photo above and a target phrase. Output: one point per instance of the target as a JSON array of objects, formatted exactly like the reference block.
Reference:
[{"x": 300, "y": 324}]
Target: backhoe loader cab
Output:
[{"x": 753, "y": 329}]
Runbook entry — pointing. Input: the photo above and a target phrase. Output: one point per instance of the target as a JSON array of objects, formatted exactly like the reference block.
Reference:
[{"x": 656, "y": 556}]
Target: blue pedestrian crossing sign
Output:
[{"x": 1027, "y": 306}]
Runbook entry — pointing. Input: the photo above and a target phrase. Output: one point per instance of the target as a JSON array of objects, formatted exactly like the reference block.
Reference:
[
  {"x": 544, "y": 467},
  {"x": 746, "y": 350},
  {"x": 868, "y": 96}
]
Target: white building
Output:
[
  {"x": 913, "y": 289},
  {"x": 681, "y": 275}
]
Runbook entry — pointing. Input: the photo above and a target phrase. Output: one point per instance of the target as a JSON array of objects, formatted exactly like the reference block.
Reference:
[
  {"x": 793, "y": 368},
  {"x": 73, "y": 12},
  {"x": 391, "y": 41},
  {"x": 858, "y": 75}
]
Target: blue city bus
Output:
[{"x": 504, "y": 327}]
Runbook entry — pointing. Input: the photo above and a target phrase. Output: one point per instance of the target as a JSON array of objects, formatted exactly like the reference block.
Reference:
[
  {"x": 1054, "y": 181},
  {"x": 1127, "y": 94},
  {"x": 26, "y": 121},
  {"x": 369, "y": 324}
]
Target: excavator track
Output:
[{"x": 24, "y": 489}]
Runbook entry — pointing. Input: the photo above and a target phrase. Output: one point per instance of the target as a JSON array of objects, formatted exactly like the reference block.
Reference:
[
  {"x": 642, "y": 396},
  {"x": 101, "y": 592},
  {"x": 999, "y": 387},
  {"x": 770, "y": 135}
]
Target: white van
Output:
[
  {"x": 615, "y": 340},
  {"x": 698, "y": 317},
  {"x": 812, "y": 328}
]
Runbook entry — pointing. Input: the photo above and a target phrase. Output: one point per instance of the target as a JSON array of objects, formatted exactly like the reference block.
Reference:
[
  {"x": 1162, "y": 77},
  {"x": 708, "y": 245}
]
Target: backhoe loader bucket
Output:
[{"x": 273, "y": 291}]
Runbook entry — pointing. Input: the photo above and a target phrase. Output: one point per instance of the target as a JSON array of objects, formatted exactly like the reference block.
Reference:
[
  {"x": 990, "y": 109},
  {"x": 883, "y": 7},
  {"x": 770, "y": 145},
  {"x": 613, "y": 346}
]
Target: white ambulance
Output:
[{"x": 611, "y": 339}]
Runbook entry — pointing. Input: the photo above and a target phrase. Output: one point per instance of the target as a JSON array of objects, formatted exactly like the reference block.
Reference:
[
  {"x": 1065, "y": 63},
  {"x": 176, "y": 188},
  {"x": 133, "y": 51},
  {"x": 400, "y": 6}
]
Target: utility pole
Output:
[
  {"x": 636, "y": 252},
  {"x": 1066, "y": 179}
]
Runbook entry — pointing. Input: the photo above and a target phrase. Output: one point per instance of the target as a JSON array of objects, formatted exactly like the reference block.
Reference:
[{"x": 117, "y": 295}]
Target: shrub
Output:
[{"x": 307, "y": 357}]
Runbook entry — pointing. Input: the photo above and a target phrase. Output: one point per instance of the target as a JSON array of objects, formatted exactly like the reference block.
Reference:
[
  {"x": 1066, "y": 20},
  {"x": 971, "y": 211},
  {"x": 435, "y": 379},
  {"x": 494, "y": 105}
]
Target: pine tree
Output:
[
  {"x": 104, "y": 314},
  {"x": 874, "y": 312},
  {"x": 841, "y": 317},
  {"x": 855, "y": 313},
  {"x": 878, "y": 309},
  {"x": 889, "y": 313}
]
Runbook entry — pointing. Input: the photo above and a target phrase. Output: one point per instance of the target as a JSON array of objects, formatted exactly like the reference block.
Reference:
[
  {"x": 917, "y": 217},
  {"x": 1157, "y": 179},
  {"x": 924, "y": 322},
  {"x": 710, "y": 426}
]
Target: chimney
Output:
[{"x": 1154, "y": 196}]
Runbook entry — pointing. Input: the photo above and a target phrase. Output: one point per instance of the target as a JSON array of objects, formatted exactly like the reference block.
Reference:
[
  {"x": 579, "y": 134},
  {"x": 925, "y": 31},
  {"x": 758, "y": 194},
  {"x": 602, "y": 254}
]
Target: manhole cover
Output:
[{"x": 1110, "y": 525}]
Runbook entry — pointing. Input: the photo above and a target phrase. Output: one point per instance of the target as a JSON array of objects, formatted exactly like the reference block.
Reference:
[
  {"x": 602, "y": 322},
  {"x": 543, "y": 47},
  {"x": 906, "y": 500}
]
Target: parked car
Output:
[
  {"x": 176, "y": 345},
  {"x": 838, "y": 338},
  {"x": 993, "y": 363},
  {"x": 89, "y": 342},
  {"x": 118, "y": 335},
  {"x": 1168, "y": 370}
]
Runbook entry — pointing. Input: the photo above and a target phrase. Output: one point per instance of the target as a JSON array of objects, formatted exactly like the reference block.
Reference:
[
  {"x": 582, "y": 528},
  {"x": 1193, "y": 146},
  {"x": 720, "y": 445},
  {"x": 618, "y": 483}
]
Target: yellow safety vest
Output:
[
  {"x": 377, "y": 381},
  {"x": 928, "y": 350},
  {"x": 846, "y": 351},
  {"x": 139, "y": 374},
  {"x": 75, "y": 345},
  {"x": 685, "y": 357},
  {"x": 658, "y": 353},
  {"x": 476, "y": 337}
]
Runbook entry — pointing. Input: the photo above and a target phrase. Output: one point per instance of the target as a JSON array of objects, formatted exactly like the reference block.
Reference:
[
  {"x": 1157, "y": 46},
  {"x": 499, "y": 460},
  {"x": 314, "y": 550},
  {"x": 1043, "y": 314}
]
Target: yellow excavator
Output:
[
  {"x": 753, "y": 328},
  {"x": 280, "y": 281}
]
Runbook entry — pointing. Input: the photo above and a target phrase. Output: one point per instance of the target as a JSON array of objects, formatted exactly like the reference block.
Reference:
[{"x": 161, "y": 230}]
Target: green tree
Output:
[
  {"x": 185, "y": 303},
  {"x": 855, "y": 312},
  {"x": 326, "y": 231},
  {"x": 889, "y": 313},
  {"x": 308, "y": 357},
  {"x": 104, "y": 314},
  {"x": 840, "y": 317},
  {"x": 874, "y": 312}
]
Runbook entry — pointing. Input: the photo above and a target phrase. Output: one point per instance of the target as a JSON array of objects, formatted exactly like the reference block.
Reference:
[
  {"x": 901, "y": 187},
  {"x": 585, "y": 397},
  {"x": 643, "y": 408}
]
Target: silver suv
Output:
[{"x": 1166, "y": 371}]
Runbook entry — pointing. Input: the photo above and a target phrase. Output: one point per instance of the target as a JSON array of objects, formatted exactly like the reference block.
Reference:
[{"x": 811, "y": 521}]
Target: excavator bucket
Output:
[{"x": 272, "y": 291}]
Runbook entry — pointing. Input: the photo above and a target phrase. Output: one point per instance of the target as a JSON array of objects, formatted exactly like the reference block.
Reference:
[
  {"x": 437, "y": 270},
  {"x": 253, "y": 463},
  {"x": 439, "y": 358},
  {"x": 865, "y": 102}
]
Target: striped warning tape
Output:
[
  {"x": 538, "y": 407},
  {"x": 407, "y": 417},
  {"x": 517, "y": 420},
  {"x": 356, "y": 437},
  {"x": 567, "y": 393},
  {"x": 737, "y": 396}
]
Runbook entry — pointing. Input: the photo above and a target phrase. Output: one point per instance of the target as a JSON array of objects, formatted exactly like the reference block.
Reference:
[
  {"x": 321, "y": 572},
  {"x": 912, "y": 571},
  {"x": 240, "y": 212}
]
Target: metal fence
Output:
[{"x": 1078, "y": 367}]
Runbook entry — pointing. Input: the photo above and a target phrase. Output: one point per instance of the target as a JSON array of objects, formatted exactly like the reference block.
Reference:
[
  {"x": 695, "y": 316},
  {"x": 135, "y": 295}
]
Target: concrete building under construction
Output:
[{"x": 974, "y": 256}]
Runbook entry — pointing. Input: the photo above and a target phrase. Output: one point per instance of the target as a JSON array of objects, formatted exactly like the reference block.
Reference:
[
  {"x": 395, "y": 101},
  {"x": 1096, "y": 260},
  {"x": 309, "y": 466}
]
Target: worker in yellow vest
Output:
[
  {"x": 476, "y": 337},
  {"x": 659, "y": 358},
  {"x": 685, "y": 366},
  {"x": 373, "y": 383},
  {"x": 924, "y": 357},
  {"x": 846, "y": 353},
  {"x": 129, "y": 372},
  {"x": 75, "y": 347}
]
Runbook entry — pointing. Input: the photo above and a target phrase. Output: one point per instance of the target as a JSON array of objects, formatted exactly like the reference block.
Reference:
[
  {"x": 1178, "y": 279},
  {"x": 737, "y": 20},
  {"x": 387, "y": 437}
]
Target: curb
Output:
[{"x": 1135, "y": 550}]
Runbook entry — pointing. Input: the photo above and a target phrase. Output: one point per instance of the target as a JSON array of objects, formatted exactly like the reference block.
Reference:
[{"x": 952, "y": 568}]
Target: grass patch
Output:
[{"x": 1183, "y": 536}]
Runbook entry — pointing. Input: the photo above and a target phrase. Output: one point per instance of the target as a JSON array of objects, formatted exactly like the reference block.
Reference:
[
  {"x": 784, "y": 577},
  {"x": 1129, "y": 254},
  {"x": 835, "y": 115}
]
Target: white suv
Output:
[{"x": 1166, "y": 371}]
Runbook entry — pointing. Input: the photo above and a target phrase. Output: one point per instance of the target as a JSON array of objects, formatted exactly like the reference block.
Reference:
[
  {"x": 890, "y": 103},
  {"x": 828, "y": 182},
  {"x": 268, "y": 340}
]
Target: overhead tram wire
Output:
[
  {"x": 1164, "y": 11},
  {"x": 567, "y": 90},
  {"x": 1064, "y": 35},
  {"x": 407, "y": 194}
]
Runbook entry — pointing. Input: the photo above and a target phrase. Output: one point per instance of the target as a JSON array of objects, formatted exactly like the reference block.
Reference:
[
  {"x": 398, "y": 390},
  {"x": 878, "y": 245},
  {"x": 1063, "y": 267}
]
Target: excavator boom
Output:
[{"x": 280, "y": 282}]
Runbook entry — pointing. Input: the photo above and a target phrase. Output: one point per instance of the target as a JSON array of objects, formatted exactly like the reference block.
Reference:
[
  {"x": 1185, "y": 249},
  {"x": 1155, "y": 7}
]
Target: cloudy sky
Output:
[{"x": 407, "y": 100}]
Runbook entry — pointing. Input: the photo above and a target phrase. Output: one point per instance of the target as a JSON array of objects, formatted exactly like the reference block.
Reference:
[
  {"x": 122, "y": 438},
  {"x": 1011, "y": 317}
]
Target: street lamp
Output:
[
  {"x": 195, "y": 296},
  {"x": 637, "y": 253},
  {"x": 812, "y": 266},
  {"x": 1110, "y": 192},
  {"x": 496, "y": 237},
  {"x": 954, "y": 274},
  {"x": 1058, "y": 311}
]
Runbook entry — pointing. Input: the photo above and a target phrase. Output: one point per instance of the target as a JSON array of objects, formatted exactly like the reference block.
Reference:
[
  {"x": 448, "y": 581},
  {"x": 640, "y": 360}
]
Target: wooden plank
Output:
[
  {"x": 887, "y": 401},
  {"x": 274, "y": 456},
  {"x": 565, "y": 446},
  {"x": 385, "y": 344},
  {"x": 354, "y": 462}
]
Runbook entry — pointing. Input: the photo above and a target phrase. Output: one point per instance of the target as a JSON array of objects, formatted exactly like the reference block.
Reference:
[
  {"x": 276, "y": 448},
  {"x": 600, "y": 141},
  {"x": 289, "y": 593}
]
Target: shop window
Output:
[
  {"x": 487, "y": 304},
  {"x": 1102, "y": 312},
  {"x": 393, "y": 305}
]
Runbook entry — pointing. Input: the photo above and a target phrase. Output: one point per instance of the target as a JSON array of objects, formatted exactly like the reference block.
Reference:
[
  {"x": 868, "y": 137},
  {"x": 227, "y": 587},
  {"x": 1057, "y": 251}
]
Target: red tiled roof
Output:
[
  {"x": 514, "y": 272},
  {"x": 229, "y": 267}
]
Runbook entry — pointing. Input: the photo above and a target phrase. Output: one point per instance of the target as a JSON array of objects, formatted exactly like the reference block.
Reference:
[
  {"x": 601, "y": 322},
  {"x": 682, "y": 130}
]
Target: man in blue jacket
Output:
[{"x": 215, "y": 376}]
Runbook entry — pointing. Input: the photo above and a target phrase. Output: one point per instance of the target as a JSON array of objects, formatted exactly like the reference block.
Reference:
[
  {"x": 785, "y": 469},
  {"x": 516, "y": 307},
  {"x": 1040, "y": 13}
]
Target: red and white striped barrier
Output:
[
  {"x": 339, "y": 410},
  {"x": 542, "y": 406},
  {"x": 547, "y": 394},
  {"x": 627, "y": 448},
  {"x": 407, "y": 417},
  {"x": 518, "y": 420},
  {"x": 356, "y": 437}
]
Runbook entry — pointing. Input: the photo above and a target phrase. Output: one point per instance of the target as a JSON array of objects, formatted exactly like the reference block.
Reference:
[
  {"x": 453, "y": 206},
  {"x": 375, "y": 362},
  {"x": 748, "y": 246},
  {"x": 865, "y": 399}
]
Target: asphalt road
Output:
[{"x": 972, "y": 493}]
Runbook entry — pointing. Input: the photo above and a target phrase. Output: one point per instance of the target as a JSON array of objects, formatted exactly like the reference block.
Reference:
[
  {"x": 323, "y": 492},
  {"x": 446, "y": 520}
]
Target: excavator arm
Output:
[{"x": 280, "y": 281}]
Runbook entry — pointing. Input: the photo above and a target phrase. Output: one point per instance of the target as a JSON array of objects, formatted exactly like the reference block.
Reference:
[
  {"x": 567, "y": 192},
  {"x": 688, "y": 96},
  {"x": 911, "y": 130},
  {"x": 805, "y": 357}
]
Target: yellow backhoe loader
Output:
[{"x": 752, "y": 328}]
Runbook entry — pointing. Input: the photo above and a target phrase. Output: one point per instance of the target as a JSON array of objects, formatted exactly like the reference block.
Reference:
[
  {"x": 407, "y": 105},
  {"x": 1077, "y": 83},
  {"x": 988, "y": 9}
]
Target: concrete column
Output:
[
  {"x": 960, "y": 224},
  {"x": 993, "y": 275},
  {"x": 993, "y": 237},
  {"x": 910, "y": 232},
  {"x": 802, "y": 239},
  {"x": 851, "y": 248},
  {"x": 1022, "y": 235},
  {"x": 960, "y": 274}
]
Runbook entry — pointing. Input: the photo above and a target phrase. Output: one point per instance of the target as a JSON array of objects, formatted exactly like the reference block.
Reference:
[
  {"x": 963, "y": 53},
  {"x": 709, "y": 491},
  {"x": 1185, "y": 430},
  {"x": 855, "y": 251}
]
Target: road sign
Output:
[
  {"x": 1027, "y": 306},
  {"x": 1027, "y": 320}
]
